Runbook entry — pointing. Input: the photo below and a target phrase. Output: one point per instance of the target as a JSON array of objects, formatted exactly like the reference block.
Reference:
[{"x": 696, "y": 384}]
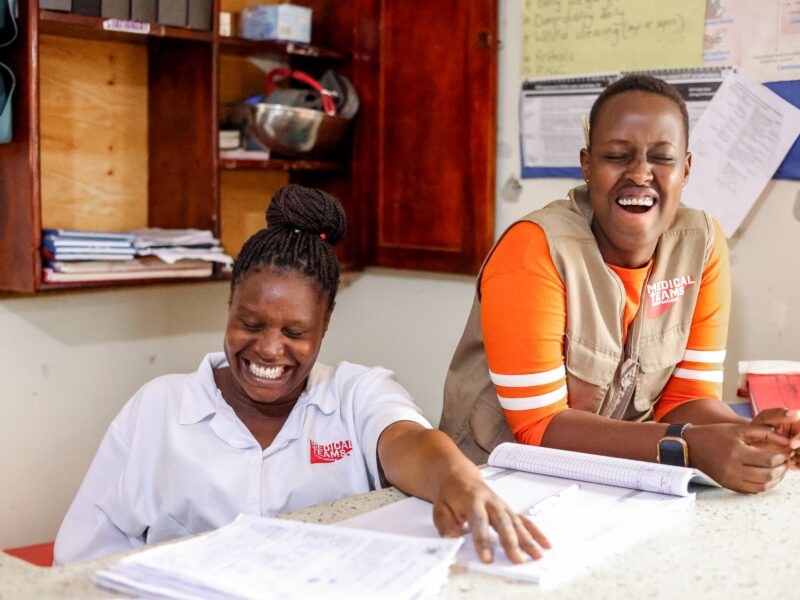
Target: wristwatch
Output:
[{"x": 672, "y": 448}]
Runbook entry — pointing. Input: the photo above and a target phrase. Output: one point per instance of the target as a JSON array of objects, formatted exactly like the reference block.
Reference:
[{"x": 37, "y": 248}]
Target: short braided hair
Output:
[
  {"x": 303, "y": 226},
  {"x": 639, "y": 82}
]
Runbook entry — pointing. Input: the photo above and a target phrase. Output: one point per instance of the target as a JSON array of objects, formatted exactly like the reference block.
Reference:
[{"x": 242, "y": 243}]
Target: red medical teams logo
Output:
[
  {"x": 328, "y": 453},
  {"x": 663, "y": 294}
]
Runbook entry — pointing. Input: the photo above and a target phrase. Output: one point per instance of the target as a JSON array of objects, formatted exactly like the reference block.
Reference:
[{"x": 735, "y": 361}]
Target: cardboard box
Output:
[
  {"x": 115, "y": 9},
  {"x": 89, "y": 8},
  {"x": 286, "y": 22},
  {"x": 200, "y": 15},
  {"x": 145, "y": 11},
  {"x": 63, "y": 5},
  {"x": 173, "y": 12}
]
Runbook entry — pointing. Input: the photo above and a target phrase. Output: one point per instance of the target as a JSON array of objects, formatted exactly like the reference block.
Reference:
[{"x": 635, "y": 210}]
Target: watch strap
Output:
[{"x": 677, "y": 429}]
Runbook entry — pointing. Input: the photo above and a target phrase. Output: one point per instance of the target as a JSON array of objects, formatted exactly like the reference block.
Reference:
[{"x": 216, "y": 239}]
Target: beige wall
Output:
[{"x": 69, "y": 361}]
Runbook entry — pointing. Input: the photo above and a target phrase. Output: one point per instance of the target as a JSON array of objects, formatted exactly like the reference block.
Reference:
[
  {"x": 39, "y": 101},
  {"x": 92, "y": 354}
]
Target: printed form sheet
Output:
[
  {"x": 257, "y": 557},
  {"x": 736, "y": 146}
]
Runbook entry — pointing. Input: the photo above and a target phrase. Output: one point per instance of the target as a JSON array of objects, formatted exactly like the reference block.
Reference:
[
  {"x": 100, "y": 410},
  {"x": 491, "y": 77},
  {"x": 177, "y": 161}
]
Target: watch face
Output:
[{"x": 673, "y": 451}]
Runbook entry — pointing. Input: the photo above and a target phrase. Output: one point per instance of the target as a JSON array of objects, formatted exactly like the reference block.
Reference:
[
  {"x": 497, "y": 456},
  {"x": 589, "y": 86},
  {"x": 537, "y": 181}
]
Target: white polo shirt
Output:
[{"x": 177, "y": 460}]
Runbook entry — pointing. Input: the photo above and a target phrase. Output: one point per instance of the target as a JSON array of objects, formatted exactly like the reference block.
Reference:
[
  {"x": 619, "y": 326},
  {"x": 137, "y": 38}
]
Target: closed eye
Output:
[
  {"x": 251, "y": 326},
  {"x": 292, "y": 333}
]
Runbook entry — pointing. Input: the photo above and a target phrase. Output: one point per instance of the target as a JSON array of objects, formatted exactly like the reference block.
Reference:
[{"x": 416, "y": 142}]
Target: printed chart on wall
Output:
[
  {"x": 551, "y": 112},
  {"x": 562, "y": 37},
  {"x": 761, "y": 37},
  {"x": 693, "y": 44}
]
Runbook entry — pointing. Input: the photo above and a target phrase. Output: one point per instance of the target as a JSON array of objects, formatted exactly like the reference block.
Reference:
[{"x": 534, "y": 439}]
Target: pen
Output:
[
  {"x": 585, "y": 122},
  {"x": 553, "y": 500}
]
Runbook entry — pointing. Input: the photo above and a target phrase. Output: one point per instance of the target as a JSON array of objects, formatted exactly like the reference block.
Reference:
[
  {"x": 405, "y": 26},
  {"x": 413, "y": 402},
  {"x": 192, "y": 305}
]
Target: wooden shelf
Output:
[
  {"x": 278, "y": 164},
  {"x": 81, "y": 26},
  {"x": 241, "y": 46},
  {"x": 116, "y": 283}
]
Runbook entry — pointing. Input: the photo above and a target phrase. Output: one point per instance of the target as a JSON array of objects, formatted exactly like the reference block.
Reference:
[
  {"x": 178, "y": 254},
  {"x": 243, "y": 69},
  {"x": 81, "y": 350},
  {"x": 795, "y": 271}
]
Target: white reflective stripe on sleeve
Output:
[
  {"x": 528, "y": 380},
  {"x": 533, "y": 401},
  {"x": 705, "y": 356},
  {"x": 712, "y": 376}
]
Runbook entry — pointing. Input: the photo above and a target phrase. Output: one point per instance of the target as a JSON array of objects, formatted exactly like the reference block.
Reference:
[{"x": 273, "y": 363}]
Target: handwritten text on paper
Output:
[{"x": 562, "y": 37}]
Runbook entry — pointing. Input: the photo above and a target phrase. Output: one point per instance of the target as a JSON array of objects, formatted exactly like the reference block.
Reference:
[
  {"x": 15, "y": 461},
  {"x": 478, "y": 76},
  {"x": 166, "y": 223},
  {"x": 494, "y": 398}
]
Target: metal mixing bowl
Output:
[{"x": 298, "y": 132}]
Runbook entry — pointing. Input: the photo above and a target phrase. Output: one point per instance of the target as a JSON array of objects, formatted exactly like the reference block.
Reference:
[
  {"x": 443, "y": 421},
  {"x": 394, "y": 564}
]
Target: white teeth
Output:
[
  {"x": 648, "y": 202},
  {"x": 265, "y": 372}
]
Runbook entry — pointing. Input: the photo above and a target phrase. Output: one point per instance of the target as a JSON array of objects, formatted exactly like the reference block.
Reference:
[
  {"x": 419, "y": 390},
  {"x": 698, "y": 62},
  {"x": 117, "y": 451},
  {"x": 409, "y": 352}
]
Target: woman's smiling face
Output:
[
  {"x": 276, "y": 323},
  {"x": 636, "y": 169}
]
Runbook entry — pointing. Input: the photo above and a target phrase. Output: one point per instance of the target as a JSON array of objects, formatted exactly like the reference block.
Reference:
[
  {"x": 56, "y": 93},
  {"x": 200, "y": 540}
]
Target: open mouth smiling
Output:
[
  {"x": 269, "y": 373},
  {"x": 636, "y": 203}
]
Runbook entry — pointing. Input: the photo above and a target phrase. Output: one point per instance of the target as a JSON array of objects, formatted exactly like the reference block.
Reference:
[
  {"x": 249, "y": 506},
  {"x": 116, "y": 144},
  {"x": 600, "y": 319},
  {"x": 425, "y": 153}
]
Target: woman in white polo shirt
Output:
[{"x": 263, "y": 428}]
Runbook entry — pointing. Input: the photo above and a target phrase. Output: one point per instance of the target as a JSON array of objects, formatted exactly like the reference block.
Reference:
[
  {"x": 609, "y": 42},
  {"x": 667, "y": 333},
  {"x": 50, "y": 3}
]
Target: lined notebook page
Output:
[{"x": 621, "y": 472}]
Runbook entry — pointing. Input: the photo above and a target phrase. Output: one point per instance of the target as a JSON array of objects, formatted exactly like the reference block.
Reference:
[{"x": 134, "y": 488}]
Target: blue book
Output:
[
  {"x": 53, "y": 242},
  {"x": 89, "y": 235},
  {"x": 87, "y": 256}
]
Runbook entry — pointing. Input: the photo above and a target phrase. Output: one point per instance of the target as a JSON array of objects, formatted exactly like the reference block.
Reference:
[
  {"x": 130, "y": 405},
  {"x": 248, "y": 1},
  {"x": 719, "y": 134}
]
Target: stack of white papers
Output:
[
  {"x": 257, "y": 557},
  {"x": 172, "y": 245}
]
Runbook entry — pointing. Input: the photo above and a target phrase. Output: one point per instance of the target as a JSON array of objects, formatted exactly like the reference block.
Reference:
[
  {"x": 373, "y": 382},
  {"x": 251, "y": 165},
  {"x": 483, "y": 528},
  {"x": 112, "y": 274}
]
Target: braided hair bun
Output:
[
  {"x": 307, "y": 209},
  {"x": 303, "y": 225}
]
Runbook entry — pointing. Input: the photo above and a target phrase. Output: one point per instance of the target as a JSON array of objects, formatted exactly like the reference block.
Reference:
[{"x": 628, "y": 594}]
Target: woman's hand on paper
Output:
[
  {"x": 465, "y": 502},
  {"x": 747, "y": 458},
  {"x": 427, "y": 464}
]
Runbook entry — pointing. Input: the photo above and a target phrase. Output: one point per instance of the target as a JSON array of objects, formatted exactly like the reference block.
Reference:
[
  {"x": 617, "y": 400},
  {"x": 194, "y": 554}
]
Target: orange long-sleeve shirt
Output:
[{"x": 524, "y": 316}]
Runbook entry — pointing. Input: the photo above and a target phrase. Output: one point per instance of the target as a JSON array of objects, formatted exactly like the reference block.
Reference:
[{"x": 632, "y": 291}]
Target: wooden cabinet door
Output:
[{"x": 436, "y": 135}]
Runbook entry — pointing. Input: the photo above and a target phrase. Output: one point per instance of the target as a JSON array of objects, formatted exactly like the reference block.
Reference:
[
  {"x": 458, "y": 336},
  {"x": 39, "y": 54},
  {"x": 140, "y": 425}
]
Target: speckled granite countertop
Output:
[{"x": 730, "y": 546}]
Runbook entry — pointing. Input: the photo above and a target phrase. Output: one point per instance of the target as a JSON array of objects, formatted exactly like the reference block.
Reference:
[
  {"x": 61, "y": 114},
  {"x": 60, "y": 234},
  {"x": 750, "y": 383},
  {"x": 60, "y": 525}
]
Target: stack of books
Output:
[
  {"x": 68, "y": 245},
  {"x": 84, "y": 256}
]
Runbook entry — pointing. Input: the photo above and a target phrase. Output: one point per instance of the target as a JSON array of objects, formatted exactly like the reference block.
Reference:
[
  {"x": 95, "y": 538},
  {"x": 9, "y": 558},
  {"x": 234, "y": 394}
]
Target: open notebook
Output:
[
  {"x": 589, "y": 506},
  {"x": 621, "y": 472}
]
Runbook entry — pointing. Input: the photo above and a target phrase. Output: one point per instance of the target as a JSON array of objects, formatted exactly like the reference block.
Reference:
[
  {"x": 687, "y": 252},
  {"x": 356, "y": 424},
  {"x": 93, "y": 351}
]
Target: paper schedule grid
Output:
[
  {"x": 652, "y": 477},
  {"x": 269, "y": 558}
]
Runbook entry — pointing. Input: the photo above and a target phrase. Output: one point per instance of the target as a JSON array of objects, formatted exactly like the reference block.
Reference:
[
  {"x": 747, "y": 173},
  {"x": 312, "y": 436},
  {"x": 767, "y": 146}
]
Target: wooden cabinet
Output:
[{"x": 116, "y": 131}]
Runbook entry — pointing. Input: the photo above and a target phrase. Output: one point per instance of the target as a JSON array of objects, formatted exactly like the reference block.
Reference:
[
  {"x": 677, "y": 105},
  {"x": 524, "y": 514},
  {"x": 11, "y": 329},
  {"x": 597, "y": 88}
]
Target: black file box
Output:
[
  {"x": 173, "y": 12},
  {"x": 145, "y": 11},
  {"x": 115, "y": 9},
  {"x": 62, "y": 5},
  {"x": 90, "y": 8},
  {"x": 200, "y": 15}
]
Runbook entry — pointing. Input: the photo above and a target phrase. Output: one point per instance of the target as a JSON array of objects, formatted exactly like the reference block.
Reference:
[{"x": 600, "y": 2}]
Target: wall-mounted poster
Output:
[{"x": 565, "y": 37}]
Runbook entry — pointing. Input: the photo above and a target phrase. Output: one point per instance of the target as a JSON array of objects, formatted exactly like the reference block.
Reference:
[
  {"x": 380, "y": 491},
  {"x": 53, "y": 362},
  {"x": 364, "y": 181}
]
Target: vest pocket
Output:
[
  {"x": 593, "y": 365},
  {"x": 656, "y": 362}
]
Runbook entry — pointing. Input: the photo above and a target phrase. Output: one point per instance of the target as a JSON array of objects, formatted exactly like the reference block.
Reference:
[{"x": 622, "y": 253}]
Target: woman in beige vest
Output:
[{"x": 600, "y": 322}]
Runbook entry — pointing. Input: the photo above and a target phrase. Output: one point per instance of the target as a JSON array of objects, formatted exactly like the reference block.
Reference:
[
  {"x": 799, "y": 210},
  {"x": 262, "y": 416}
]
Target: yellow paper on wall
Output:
[{"x": 567, "y": 37}]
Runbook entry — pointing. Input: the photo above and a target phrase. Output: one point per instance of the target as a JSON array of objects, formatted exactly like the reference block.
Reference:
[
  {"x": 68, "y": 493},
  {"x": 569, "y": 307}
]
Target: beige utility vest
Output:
[{"x": 616, "y": 379}]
